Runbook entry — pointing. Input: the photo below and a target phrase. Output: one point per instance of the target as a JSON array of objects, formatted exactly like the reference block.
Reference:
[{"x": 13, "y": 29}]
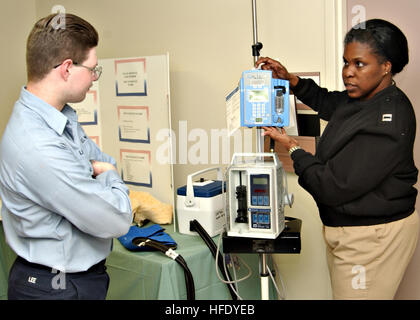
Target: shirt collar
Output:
[{"x": 55, "y": 119}]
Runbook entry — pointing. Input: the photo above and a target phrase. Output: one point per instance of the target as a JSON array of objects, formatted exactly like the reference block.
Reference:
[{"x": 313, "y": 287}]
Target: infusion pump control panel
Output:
[
  {"x": 259, "y": 204},
  {"x": 255, "y": 196},
  {"x": 264, "y": 100}
]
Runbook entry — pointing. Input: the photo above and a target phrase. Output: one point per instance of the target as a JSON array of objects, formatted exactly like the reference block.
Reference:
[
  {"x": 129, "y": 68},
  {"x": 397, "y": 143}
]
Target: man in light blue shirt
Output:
[{"x": 63, "y": 200}]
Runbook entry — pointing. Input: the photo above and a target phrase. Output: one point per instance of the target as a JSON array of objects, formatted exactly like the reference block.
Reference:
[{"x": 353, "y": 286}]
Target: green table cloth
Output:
[{"x": 152, "y": 275}]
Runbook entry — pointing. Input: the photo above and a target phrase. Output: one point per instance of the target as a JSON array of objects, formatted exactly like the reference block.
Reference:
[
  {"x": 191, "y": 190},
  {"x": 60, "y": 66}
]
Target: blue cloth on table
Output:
[{"x": 154, "y": 232}]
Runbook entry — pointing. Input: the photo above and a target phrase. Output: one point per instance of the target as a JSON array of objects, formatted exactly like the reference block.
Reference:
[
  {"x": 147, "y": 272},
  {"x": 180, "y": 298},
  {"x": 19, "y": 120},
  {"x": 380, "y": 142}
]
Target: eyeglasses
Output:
[{"x": 96, "y": 71}]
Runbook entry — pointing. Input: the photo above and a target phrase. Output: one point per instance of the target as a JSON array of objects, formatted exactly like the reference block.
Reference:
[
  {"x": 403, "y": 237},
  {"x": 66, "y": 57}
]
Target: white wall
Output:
[
  {"x": 209, "y": 42},
  {"x": 15, "y": 25}
]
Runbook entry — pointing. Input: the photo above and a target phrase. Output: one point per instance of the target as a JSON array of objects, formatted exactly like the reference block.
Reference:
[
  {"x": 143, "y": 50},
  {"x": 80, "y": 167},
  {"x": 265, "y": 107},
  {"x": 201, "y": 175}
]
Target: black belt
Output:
[{"x": 99, "y": 267}]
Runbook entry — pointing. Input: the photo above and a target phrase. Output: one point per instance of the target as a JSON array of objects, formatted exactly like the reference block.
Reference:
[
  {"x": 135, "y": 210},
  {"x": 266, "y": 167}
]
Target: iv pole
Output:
[{"x": 256, "y": 47}]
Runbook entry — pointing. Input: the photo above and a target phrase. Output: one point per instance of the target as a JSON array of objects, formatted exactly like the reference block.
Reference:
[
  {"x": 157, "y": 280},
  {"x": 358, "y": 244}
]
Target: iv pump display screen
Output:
[
  {"x": 260, "y": 190},
  {"x": 258, "y": 95},
  {"x": 258, "y": 180}
]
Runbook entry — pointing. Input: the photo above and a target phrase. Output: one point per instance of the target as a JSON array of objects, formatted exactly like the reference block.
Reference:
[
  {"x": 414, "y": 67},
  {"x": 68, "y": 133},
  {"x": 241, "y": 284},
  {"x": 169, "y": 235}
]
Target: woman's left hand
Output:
[{"x": 280, "y": 136}]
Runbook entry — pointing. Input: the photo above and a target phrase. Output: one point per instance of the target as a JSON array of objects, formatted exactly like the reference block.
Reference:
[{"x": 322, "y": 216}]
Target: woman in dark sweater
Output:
[{"x": 363, "y": 174}]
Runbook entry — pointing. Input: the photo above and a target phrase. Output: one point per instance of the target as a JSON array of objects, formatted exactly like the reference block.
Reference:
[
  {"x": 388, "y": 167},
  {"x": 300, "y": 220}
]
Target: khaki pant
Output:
[{"x": 369, "y": 262}]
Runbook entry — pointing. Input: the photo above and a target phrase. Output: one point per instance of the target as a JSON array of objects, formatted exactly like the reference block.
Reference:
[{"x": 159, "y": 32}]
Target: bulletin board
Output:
[{"x": 125, "y": 112}]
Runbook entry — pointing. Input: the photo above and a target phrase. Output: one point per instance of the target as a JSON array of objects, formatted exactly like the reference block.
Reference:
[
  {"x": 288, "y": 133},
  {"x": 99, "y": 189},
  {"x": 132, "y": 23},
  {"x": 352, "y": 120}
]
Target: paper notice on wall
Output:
[
  {"x": 292, "y": 129},
  {"x": 88, "y": 113},
  {"x": 87, "y": 110},
  {"x": 136, "y": 167},
  {"x": 233, "y": 111},
  {"x": 133, "y": 123},
  {"x": 131, "y": 79}
]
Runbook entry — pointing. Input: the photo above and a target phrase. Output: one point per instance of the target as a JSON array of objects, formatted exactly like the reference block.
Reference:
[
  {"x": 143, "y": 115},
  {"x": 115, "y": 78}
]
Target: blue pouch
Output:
[{"x": 155, "y": 233}]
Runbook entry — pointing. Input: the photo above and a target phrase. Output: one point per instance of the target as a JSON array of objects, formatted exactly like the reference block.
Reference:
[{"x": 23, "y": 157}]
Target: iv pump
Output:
[
  {"x": 264, "y": 100},
  {"x": 256, "y": 196}
]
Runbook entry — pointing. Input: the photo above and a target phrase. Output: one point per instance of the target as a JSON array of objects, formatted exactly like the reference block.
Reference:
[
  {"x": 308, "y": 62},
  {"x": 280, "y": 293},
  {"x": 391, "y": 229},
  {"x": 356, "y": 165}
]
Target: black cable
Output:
[
  {"x": 189, "y": 280},
  {"x": 272, "y": 144},
  {"x": 196, "y": 226}
]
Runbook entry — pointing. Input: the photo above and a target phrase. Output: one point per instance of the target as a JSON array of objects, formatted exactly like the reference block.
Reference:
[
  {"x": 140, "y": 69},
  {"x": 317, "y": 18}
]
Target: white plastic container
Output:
[{"x": 201, "y": 201}]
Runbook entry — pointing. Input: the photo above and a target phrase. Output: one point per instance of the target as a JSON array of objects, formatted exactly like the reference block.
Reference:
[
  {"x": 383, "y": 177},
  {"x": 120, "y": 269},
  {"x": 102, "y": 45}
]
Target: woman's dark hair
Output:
[{"x": 386, "y": 40}]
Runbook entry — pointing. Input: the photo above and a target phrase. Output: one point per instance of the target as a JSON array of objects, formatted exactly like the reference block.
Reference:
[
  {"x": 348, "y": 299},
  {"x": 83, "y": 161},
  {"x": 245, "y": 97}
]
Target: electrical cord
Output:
[
  {"x": 189, "y": 281},
  {"x": 232, "y": 259},
  {"x": 244, "y": 263},
  {"x": 280, "y": 296},
  {"x": 196, "y": 226},
  {"x": 287, "y": 187}
]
